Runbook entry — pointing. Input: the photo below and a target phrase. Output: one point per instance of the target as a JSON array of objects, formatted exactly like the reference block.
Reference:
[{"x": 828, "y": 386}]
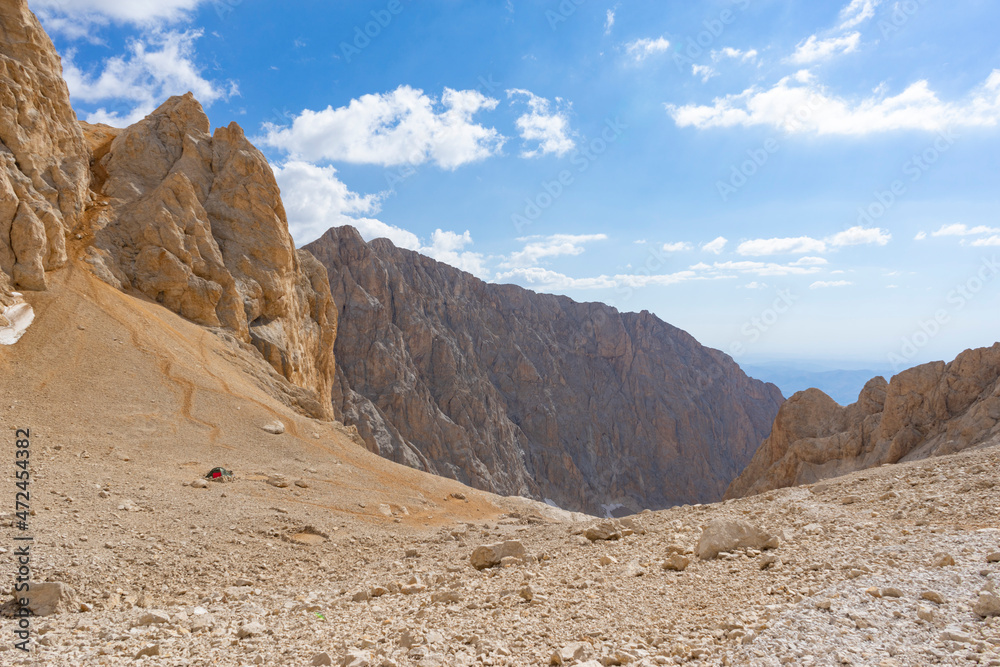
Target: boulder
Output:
[
  {"x": 728, "y": 535},
  {"x": 491, "y": 555},
  {"x": 46, "y": 599}
]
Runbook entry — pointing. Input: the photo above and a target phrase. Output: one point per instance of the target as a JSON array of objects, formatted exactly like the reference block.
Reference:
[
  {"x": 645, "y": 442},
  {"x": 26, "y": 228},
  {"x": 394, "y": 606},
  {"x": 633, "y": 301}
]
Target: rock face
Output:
[
  {"x": 930, "y": 410},
  {"x": 195, "y": 222},
  {"x": 530, "y": 394},
  {"x": 44, "y": 170}
]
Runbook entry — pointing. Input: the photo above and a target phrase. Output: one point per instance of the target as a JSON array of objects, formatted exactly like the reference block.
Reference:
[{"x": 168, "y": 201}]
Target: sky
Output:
[{"x": 783, "y": 180}]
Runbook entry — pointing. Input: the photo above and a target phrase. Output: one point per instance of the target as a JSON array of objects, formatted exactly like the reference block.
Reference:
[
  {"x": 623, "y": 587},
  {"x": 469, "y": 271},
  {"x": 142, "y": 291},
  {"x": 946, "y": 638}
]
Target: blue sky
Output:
[{"x": 784, "y": 180}]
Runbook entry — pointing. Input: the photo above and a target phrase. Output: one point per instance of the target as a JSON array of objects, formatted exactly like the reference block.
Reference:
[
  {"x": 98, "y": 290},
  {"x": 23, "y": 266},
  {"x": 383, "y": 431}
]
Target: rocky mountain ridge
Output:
[
  {"x": 533, "y": 394},
  {"x": 929, "y": 410}
]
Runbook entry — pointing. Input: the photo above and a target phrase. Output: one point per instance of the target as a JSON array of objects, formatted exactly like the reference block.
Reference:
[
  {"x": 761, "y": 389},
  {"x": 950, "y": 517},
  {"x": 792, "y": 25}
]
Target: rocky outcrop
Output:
[
  {"x": 533, "y": 394},
  {"x": 44, "y": 174},
  {"x": 930, "y": 410},
  {"x": 195, "y": 222}
]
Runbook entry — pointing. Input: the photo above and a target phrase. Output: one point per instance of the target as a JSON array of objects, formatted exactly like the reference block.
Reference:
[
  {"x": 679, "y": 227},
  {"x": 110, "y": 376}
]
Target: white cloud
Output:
[
  {"x": 550, "y": 129},
  {"x": 680, "y": 246},
  {"x": 735, "y": 54},
  {"x": 155, "y": 67},
  {"x": 609, "y": 22},
  {"x": 706, "y": 72},
  {"x": 990, "y": 241},
  {"x": 787, "y": 246},
  {"x": 815, "y": 49},
  {"x": 860, "y": 236},
  {"x": 537, "y": 248},
  {"x": 449, "y": 247},
  {"x": 404, "y": 126},
  {"x": 546, "y": 280},
  {"x": 965, "y": 230},
  {"x": 820, "y": 284},
  {"x": 141, "y": 12},
  {"x": 640, "y": 49},
  {"x": 920, "y": 236},
  {"x": 765, "y": 268},
  {"x": 797, "y": 104},
  {"x": 803, "y": 244},
  {"x": 316, "y": 200},
  {"x": 755, "y": 285},
  {"x": 857, "y": 12},
  {"x": 809, "y": 261},
  {"x": 715, "y": 246}
]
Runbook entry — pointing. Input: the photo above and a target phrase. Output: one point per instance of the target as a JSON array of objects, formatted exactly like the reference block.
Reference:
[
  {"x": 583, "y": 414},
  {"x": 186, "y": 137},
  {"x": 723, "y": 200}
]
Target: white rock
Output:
[
  {"x": 275, "y": 427},
  {"x": 987, "y": 605}
]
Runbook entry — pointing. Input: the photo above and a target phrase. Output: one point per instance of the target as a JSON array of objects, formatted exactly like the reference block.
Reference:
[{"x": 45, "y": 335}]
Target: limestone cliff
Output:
[
  {"x": 44, "y": 174},
  {"x": 163, "y": 208},
  {"x": 195, "y": 221},
  {"x": 533, "y": 394},
  {"x": 930, "y": 410}
]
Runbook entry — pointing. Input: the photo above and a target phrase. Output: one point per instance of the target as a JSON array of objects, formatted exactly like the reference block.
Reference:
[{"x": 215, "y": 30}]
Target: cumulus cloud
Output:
[
  {"x": 680, "y": 246},
  {"x": 820, "y": 284},
  {"x": 716, "y": 246},
  {"x": 920, "y": 236},
  {"x": 544, "y": 127},
  {"x": 814, "y": 49},
  {"x": 316, "y": 200},
  {"x": 154, "y": 67},
  {"x": 404, "y": 126},
  {"x": 857, "y": 12},
  {"x": 706, "y": 72},
  {"x": 734, "y": 54},
  {"x": 805, "y": 244},
  {"x": 987, "y": 242},
  {"x": 965, "y": 230},
  {"x": 640, "y": 49},
  {"x": 449, "y": 247},
  {"x": 76, "y": 17},
  {"x": 537, "y": 248},
  {"x": 796, "y": 104},
  {"x": 802, "y": 244}
]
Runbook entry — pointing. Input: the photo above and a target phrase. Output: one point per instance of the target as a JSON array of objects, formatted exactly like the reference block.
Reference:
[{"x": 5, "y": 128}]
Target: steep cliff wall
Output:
[{"x": 525, "y": 393}]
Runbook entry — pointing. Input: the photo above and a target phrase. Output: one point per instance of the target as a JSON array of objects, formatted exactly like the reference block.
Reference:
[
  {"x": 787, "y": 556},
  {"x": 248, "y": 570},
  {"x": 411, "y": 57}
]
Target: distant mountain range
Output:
[{"x": 841, "y": 385}]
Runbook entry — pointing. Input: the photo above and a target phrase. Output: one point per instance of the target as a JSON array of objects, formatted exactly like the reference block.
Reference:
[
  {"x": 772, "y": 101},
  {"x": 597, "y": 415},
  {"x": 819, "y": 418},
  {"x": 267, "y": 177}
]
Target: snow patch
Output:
[{"x": 14, "y": 321}]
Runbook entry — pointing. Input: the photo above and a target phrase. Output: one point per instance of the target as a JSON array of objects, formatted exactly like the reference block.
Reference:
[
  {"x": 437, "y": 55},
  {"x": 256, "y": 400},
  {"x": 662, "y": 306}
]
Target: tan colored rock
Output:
[
  {"x": 930, "y": 410},
  {"x": 44, "y": 165},
  {"x": 987, "y": 605},
  {"x": 531, "y": 394},
  {"x": 48, "y": 598},
  {"x": 195, "y": 222},
  {"x": 676, "y": 562},
  {"x": 605, "y": 530},
  {"x": 491, "y": 555},
  {"x": 727, "y": 535}
]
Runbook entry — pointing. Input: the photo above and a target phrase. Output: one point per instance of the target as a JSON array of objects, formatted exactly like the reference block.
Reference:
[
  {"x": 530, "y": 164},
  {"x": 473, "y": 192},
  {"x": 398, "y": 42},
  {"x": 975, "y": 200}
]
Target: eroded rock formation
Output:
[
  {"x": 930, "y": 410},
  {"x": 44, "y": 173},
  {"x": 195, "y": 221},
  {"x": 533, "y": 394}
]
